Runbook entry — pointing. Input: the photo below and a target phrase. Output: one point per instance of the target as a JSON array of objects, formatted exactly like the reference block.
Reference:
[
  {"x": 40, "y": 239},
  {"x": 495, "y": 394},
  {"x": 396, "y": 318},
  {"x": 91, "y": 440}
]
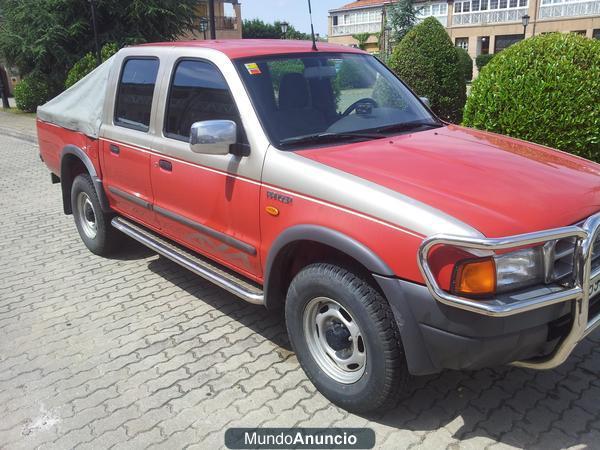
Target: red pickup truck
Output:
[{"x": 315, "y": 181}]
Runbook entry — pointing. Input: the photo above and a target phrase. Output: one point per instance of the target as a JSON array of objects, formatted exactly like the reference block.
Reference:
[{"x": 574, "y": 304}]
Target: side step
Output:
[{"x": 207, "y": 269}]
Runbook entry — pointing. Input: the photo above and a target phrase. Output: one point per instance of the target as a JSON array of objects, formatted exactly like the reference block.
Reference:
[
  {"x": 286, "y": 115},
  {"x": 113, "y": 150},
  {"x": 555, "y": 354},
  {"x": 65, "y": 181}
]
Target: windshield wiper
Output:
[
  {"x": 406, "y": 126},
  {"x": 328, "y": 137}
]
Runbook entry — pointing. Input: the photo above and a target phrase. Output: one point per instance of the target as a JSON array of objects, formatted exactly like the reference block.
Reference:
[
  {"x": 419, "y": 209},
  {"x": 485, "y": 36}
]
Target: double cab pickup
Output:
[{"x": 316, "y": 182}]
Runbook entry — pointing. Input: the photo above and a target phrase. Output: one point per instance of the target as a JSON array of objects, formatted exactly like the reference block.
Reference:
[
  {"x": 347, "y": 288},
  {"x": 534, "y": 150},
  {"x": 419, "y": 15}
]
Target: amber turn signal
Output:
[{"x": 475, "y": 277}]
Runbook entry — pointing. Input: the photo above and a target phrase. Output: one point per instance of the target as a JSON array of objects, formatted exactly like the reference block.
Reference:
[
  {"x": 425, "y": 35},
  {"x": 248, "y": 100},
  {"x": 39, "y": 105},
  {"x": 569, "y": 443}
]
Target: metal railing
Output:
[
  {"x": 486, "y": 17},
  {"x": 578, "y": 294},
  {"x": 570, "y": 9}
]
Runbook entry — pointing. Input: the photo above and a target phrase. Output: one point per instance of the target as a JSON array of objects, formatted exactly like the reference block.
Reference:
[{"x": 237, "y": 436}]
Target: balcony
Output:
[
  {"x": 489, "y": 17},
  {"x": 569, "y": 9},
  {"x": 343, "y": 30}
]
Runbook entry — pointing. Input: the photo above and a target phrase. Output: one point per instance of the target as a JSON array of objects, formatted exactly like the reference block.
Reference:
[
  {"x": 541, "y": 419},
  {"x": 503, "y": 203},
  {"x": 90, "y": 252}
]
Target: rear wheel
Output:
[
  {"x": 92, "y": 223},
  {"x": 345, "y": 338}
]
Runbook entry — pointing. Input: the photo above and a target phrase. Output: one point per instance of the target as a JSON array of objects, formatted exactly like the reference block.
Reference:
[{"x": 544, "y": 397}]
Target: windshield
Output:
[{"x": 330, "y": 97}]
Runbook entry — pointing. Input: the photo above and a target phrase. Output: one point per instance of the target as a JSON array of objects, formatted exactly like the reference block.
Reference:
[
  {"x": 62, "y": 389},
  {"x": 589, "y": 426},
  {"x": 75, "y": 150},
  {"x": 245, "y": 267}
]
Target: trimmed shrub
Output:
[
  {"x": 88, "y": 63},
  {"x": 482, "y": 60},
  {"x": 32, "y": 91},
  {"x": 466, "y": 63},
  {"x": 544, "y": 89},
  {"x": 428, "y": 62}
]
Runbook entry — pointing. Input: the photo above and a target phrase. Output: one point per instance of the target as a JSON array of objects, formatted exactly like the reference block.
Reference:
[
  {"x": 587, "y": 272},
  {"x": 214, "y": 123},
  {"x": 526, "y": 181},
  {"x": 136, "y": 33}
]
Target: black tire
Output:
[
  {"x": 106, "y": 238},
  {"x": 385, "y": 372}
]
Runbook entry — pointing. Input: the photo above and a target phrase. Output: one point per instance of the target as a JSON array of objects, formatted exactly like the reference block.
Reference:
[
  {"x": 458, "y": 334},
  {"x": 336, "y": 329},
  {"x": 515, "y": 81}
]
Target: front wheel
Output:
[
  {"x": 345, "y": 338},
  {"x": 92, "y": 223}
]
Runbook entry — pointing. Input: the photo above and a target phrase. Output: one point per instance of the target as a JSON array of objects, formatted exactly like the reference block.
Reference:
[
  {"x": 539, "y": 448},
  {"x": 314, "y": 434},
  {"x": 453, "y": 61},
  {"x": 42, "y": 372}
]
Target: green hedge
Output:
[
  {"x": 428, "y": 62},
  {"x": 466, "y": 63},
  {"x": 88, "y": 63},
  {"x": 545, "y": 89},
  {"x": 482, "y": 60},
  {"x": 32, "y": 91}
]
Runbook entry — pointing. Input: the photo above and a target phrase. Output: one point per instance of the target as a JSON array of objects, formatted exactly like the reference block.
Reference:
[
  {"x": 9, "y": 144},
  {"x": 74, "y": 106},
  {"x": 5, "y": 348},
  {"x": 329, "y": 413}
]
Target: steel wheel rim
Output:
[
  {"x": 87, "y": 215},
  {"x": 326, "y": 325}
]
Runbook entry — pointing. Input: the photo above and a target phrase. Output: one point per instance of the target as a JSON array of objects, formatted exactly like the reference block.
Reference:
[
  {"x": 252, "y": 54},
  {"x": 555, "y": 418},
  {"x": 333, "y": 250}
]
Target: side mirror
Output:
[
  {"x": 213, "y": 137},
  {"x": 426, "y": 101}
]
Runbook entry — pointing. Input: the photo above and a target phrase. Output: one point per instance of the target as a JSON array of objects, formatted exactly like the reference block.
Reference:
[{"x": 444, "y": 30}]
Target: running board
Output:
[{"x": 207, "y": 269}]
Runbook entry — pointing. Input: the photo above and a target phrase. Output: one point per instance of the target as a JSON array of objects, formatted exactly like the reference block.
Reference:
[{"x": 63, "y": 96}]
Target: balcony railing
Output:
[
  {"x": 570, "y": 9},
  {"x": 341, "y": 30},
  {"x": 485, "y": 17}
]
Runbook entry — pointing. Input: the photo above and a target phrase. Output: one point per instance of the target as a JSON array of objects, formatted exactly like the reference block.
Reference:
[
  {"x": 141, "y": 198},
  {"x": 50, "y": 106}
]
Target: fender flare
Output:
[
  {"x": 327, "y": 236},
  {"x": 66, "y": 181}
]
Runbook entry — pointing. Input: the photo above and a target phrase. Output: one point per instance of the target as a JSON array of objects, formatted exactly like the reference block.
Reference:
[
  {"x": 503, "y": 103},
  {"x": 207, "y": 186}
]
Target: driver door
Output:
[{"x": 202, "y": 200}]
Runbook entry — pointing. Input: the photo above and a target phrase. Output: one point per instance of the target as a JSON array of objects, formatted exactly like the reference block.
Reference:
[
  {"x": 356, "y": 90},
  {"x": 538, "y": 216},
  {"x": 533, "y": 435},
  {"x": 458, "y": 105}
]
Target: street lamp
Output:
[
  {"x": 525, "y": 21},
  {"x": 203, "y": 26},
  {"x": 284, "y": 28}
]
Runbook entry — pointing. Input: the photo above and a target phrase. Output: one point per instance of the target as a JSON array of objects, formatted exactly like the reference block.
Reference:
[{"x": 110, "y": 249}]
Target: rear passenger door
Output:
[
  {"x": 200, "y": 200},
  {"x": 127, "y": 140}
]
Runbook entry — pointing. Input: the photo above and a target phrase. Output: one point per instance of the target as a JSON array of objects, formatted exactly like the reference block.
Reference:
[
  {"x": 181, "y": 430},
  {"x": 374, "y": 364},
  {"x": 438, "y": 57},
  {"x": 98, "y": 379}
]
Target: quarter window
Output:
[
  {"x": 198, "y": 92},
  {"x": 135, "y": 93}
]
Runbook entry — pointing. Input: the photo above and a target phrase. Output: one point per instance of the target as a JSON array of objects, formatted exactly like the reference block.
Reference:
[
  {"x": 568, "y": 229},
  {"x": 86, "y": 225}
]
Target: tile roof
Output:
[{"x": 362, "y": 4}]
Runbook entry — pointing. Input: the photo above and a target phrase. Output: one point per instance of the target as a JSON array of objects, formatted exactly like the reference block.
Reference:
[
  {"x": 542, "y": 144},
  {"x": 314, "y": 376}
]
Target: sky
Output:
[{"x": 294, "y": 12}]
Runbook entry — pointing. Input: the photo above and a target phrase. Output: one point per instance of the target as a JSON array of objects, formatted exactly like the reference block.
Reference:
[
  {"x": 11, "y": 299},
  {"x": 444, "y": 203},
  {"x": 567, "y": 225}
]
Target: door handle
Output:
[
  {"x": 115, "y": 149},
  {"x": 165, "y": 165}
]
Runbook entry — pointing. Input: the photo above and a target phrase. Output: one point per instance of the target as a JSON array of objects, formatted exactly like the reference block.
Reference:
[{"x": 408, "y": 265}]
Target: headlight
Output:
[{"x": 501, "y": 273}]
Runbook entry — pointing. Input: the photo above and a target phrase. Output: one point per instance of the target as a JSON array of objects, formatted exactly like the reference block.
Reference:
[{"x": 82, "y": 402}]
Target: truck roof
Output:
[{"x": 243, "y": 48}]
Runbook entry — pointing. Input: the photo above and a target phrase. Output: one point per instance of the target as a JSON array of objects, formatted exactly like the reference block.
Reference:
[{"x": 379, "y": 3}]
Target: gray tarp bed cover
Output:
[{"x": 80, "y": 107}]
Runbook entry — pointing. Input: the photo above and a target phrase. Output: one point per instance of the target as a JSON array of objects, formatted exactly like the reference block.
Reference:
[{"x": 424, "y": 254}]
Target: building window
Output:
[
  {"x": 335, "y": 21},
  {"x": 485, "y": 5},
  {"x": 462, "y": 43},
  {"x": 596, "y": 34},
  {"x": 506, "y": 41}
]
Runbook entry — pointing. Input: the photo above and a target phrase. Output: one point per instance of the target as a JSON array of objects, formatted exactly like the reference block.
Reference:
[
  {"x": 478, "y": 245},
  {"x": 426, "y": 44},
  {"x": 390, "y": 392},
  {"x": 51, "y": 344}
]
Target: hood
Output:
[{"x": 498, "y": 185}]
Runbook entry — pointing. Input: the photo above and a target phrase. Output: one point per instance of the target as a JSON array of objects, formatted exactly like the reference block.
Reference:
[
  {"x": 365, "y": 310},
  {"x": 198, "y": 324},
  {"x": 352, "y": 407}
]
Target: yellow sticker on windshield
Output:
[{"x": 253, "y": 69}]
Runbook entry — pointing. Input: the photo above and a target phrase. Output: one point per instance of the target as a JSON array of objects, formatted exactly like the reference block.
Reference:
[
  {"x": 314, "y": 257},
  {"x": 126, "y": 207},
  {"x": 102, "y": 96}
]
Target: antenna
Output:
[{"x": 312, "y": 28}]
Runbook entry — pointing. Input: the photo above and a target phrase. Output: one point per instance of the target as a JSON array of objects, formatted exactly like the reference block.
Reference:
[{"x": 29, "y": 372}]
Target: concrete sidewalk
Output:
[{"x": 18, "y": 124}]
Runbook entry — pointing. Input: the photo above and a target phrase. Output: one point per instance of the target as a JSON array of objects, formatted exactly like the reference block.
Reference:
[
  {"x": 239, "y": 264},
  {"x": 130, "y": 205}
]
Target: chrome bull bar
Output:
[{"x": 578, "y": 294}]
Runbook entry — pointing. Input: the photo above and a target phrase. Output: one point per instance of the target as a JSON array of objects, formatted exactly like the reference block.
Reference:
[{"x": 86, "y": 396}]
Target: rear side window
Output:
[
  {"x": 135, "y": 91},
  {"x": 198, "y": 92}
]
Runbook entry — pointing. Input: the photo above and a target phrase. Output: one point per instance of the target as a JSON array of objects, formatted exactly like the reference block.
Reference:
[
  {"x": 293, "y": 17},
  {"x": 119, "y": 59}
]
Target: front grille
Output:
[
  {"x": 596, "y": 254},
  {"x": 561, "y": 259}
]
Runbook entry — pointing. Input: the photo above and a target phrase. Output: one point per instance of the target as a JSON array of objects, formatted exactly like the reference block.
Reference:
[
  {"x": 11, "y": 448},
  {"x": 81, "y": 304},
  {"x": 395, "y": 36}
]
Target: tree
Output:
[
  {"x": 402, "y": 16},
  {"x": 47, "y": 37},
  {"x": 362, "y": 39},
  {"x": 428, "y": 62},
  {"x": 257, "y": 29}
]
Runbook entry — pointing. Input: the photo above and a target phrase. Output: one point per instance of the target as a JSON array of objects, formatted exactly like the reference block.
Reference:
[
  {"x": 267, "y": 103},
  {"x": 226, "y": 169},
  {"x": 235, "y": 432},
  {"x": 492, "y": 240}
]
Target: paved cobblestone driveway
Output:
[{"x": 135, "y": 352}]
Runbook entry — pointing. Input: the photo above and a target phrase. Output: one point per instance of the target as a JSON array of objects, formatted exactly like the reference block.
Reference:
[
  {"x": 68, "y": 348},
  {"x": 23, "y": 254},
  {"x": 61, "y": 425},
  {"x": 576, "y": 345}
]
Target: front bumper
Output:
[
  {"x": 517, "y": 308},
  {"x": 538, "y": 329}
]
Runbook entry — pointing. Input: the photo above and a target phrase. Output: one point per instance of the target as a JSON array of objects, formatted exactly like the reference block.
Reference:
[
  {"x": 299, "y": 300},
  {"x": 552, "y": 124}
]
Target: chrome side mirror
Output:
[
  {"x": 426, "y": 101},
  {"x": 213, "y": 137}
]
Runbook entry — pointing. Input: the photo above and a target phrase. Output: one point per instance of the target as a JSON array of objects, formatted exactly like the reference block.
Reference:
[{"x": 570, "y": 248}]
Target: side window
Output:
[
  {"x": 198, "y": 92},
  {"x": 134, "y": 93}
]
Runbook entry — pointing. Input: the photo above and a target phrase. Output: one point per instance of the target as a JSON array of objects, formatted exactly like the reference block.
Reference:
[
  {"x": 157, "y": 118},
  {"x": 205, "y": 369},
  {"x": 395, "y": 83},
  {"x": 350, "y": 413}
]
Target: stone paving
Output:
[{"x": 134, "y": 352}]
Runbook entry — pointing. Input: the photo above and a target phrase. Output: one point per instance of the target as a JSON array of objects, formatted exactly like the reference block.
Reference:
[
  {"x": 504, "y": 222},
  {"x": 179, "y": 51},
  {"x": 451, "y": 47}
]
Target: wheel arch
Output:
[
  {"x": 73, "y": 162},
  {"x": 306, "y": 238}
]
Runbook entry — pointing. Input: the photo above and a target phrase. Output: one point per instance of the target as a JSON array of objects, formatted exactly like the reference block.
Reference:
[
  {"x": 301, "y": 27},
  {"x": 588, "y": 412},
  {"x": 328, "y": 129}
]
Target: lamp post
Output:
[
  {"x": 525, "y": 21},
  {"x": 203, "y": 26},
  {"x": 284, "y": 29},
  {"x": 94, "y": 26}
]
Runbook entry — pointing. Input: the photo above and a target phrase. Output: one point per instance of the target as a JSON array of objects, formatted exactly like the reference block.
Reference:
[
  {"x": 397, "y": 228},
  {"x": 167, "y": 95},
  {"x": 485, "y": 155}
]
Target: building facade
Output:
[
  {"x": 478, "y": 26},
  {"x": 228, "y": 21}
]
